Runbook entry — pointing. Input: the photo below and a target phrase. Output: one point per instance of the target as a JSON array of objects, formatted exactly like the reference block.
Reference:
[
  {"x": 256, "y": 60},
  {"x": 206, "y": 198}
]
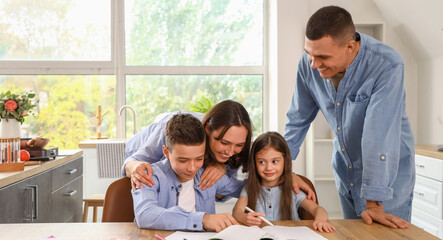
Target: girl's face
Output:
[
  {"x": 270, "y": 164},
  {"x": 230, "y": 144}
]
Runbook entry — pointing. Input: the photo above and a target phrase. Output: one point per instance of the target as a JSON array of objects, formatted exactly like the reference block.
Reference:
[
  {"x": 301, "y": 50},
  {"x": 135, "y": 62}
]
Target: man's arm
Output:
[{"x": 381, "y": 141}]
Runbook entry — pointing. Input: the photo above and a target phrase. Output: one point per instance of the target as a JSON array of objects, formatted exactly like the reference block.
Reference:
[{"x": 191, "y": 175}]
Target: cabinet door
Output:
[
  {"x": 67, "y": 202},
  {"x": 39, "y": 197},
  {"x": 12, "y": 203}
]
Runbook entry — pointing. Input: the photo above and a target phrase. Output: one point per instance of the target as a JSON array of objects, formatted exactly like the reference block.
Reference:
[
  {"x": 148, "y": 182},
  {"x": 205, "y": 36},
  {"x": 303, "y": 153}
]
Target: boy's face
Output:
[
  {"x": 270, "y": 165},
  {"x": 185, "y": 160}
]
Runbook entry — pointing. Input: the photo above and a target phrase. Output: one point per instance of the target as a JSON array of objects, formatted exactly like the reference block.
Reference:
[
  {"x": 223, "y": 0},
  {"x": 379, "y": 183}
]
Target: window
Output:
[{"x": 157, "y": 56}]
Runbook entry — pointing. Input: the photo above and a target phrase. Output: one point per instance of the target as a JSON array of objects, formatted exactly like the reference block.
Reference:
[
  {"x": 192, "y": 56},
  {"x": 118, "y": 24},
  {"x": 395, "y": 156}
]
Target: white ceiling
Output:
[{"x": 418, "y": 23}]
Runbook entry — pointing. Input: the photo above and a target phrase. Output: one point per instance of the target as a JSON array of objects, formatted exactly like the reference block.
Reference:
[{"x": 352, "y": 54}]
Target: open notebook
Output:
[{"x": 240, "y": 232}]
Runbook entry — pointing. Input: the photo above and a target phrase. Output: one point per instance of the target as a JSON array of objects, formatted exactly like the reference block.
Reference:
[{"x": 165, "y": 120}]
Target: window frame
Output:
[{"x": 117, "y": 65}]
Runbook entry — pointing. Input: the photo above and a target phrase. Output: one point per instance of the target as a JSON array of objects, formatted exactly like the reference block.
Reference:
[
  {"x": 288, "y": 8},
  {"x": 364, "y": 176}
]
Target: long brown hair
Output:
[
  {"x": 253, "y": 184},
  {"x": 223, "y": 116}
]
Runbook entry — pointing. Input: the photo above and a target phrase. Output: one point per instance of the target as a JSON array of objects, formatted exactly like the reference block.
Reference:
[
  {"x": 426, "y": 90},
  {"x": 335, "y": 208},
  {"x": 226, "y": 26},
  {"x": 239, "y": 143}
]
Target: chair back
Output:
[
  {"x": 303, "y": 214},
  {"x": 118, "y": 205}
]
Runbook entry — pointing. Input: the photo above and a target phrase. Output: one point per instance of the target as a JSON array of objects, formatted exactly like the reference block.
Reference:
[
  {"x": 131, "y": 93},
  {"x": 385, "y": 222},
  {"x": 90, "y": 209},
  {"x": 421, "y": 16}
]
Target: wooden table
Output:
[{"x": 345, "y": 229}]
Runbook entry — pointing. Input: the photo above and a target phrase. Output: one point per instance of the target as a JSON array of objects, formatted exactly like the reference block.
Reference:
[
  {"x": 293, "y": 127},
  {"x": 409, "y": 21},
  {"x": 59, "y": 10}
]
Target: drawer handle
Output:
[
  {"x": 72, "y": 171},
  {"x": 420, "y": 165},
  {"x": 419, "y": 193},
  {"x": 71, "y": 193}
]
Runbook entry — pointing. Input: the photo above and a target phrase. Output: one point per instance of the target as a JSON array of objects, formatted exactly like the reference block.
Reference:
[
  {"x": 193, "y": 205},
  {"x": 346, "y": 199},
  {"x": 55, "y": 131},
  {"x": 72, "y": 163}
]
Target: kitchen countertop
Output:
[
  {"x": 7, "y": 178},
  {"x": 428, "y": 150}
]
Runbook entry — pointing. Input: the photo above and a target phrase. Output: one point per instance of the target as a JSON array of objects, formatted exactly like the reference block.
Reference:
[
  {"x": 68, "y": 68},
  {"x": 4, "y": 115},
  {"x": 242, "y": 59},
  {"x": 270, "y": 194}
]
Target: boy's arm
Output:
[
  {"x": 248, "y": 219},
  {"x": 149, "y": 213},
  {"x": 321, "y": 216}
]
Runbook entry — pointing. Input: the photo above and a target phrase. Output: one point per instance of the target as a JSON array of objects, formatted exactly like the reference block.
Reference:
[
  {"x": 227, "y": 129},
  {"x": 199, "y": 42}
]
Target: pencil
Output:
[
  {"x": 262, "y": 218},
  {"x": 159, "y": 237}
]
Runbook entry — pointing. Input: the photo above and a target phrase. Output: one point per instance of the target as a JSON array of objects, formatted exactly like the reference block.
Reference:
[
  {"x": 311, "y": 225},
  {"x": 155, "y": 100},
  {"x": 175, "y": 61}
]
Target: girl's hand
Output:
[
  {"x": 140, "y": 172},
  {"x": 211, "y": 175},
  {"x": 298, "y": 183},
  {"x": 323, "y": 226},
  {"x": 253, "y": 220}
]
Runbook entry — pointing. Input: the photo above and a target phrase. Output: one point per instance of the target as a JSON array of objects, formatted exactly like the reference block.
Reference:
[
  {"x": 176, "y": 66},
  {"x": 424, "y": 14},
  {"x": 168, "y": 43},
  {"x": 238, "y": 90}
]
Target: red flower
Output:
[{"x": 11, "y": 105}]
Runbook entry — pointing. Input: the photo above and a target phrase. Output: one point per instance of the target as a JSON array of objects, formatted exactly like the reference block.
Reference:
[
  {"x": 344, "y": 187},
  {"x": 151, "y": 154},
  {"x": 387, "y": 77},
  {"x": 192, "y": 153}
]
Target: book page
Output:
[
  {"x": 240, "y": 232},
  {"x": 293, "y": 233}
]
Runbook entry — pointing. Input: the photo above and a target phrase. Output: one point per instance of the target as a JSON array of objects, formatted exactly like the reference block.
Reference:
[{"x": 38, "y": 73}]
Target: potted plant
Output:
[{"x": 13, "y": 110}]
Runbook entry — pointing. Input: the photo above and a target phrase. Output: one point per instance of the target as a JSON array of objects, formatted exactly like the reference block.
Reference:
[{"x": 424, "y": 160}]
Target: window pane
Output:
[
  {"x": 55, "y": 30},
  {"x": 194, "y": 33},
  {"x": 155, "y": 94},
  {"x": 64, "y": 107}
]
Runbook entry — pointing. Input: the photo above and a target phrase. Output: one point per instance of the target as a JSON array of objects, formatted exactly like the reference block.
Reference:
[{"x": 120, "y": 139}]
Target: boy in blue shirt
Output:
[{"x": 175, "y": 202}]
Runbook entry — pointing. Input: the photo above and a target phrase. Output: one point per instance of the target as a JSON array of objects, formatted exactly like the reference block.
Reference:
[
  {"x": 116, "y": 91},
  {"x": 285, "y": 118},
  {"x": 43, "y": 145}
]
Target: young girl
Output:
[{"x": 268, "y": 188}]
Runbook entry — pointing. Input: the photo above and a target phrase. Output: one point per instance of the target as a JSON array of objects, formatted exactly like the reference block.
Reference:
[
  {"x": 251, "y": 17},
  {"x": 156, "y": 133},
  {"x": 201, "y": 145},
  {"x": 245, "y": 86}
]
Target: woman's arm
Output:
[
  {"x": 211, "y": 175},
  {"x": 321, "y": 216},
  {"x": 139, "y": 172},
  {"x": 248, "y": 219}
]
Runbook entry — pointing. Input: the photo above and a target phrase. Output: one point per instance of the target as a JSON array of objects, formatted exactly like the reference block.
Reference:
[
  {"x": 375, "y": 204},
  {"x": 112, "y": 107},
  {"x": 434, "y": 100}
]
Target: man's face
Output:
[
  {"x": 185, "y": 160},
  {"x": 328, "y": 57}
]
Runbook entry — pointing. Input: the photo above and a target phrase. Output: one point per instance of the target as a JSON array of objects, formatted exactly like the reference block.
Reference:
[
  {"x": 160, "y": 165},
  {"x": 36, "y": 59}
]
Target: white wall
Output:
[
  {"x": 430, "y": 102},
  {"x": 288, "y": 20}
]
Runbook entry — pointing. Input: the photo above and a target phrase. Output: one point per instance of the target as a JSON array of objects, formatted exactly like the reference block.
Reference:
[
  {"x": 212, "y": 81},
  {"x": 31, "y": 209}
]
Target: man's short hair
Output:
[
  {"x": 331, "y": 21},
  {"x": 184, "y": 129}
]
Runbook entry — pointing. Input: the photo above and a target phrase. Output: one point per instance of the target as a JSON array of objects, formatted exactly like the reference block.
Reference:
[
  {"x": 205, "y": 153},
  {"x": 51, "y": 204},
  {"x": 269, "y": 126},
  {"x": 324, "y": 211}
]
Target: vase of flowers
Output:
[{"x": 13, "y": 110}]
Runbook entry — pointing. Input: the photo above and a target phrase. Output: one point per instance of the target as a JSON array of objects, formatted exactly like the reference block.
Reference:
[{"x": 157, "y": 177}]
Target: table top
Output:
[{"x": 345, "y": 229}]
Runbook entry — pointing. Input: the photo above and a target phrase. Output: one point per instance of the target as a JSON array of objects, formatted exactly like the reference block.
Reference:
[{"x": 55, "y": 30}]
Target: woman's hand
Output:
[
  {"x": 211, "y": 175},
  {"x": 298, "y": 183},
  {"x": 139, "y": 172}
]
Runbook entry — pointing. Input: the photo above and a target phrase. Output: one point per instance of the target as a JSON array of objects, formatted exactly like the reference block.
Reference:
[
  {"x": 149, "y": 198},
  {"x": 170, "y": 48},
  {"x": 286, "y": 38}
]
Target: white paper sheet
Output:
[{"x": 240, "y": 232}]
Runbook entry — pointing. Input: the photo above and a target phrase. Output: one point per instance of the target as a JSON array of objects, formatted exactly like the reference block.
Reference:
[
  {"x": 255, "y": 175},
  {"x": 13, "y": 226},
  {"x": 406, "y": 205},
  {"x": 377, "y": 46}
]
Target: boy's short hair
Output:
[
  {"x": 184, "y": 129},
  {"x": 331, "y": 21}
]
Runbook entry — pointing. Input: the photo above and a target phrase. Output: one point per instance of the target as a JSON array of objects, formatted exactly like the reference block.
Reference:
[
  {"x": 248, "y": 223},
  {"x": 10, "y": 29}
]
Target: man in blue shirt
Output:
[
  {"x": 175, "y": 202},
  {"x": 357, "y": 83}
]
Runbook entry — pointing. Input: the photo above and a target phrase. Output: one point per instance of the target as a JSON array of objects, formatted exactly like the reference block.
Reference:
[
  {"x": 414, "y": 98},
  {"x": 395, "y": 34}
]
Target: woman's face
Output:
[{"x": 230, "y": 144}]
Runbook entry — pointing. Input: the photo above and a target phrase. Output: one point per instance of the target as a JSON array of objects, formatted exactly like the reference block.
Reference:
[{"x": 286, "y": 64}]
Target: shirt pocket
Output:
[{"x": 354, "y": 114}]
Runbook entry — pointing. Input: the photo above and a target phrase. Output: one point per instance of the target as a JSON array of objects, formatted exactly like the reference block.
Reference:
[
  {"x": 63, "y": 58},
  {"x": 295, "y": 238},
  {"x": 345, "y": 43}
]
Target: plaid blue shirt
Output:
[
  {"x": 157, "y": 207},
  {"x": 373, "y": 157}
]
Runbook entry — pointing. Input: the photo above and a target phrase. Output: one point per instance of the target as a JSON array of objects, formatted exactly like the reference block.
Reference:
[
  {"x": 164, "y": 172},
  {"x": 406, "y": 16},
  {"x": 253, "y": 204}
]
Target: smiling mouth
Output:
[
  {"x": 269, "y": 174},
  {"x": 224, "y": 155},
  {"x": 322, "y": 69}
]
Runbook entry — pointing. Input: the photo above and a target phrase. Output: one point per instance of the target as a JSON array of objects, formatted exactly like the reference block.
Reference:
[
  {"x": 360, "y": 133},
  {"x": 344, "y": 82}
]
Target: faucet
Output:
[{"x": 133, "y": 114}]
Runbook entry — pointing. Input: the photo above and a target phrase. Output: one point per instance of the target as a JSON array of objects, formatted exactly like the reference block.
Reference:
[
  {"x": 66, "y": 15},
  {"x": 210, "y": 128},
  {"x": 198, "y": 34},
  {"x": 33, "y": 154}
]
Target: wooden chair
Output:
[
  {"x": 94, "y": 201},
  {"x": 118, "y": 205},
  {"x": 303, "y": 214}
]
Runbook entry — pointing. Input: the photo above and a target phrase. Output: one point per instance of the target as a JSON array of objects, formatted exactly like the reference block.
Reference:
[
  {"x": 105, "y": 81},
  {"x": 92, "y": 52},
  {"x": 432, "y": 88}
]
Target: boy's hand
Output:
[
  {"x": 252, "y": 219},
  {"x": 211, "y": 175},
  {"x": 298, "y": 183},
  {"x": 218, "y": 222},
  {"x": 323, "y": 226},
  {"x": 140, "y": 172}
]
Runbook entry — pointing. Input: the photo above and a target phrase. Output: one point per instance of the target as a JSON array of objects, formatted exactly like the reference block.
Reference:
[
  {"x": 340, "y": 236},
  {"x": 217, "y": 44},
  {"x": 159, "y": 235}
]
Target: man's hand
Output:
[
  {"x": 375, "y": 212},
  {"x": 218, "y": 222},
  {"x": 298, "y": 183},
  {"x": 211, "y": 175},
  {"x": 139, "y": 172}
]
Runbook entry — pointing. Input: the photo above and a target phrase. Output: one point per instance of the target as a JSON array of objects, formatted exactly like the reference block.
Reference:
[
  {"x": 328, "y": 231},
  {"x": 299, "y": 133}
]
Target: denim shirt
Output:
[
  {"x": 373, "y": 156},
  {"x": 269, "y": 202},
  {"x": 157, "y": 207},
  {"x": 146, "y": 146}
]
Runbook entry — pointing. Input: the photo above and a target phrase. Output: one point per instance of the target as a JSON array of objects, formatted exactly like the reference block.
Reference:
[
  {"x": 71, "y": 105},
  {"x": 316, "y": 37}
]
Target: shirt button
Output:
[
  {"x": 269, "y": 189},
  {"x": 349, "y": 166},
  {"x": 338, "y": 104},
  {"x": 195, "y": 225},
  {"x": 327, "y": 80},
  {"x": 339, "y": 128},
  {"x": 342, "y": 149},
  {"x": 270, "y": 206},
  {"x": 351, "y": 184},
  {"x": 179, "y": 186},
  {"x": 382, "y": 157}
]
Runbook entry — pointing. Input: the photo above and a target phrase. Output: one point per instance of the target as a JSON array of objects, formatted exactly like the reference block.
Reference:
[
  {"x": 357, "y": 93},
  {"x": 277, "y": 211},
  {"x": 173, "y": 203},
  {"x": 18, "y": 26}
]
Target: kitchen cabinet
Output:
[
  {"x": 427, "y": 205},
  {"x": 51, "y": 192}
]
